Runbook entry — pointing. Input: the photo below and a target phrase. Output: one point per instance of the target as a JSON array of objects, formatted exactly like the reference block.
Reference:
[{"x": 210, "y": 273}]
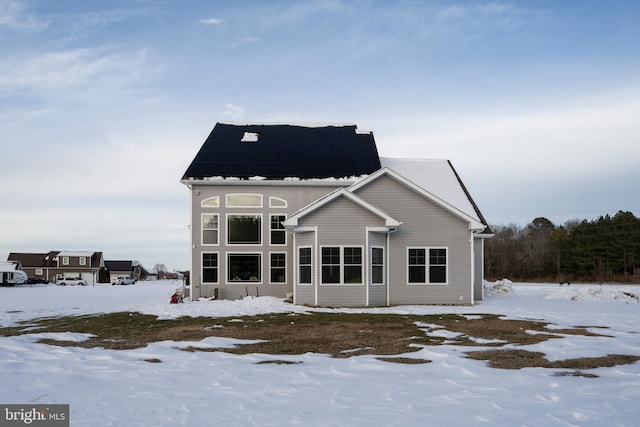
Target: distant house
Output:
[
  {"x": 314, "y": 213},
  {"x": 51, "y": 265},
  {"x": 126, "y": 268}
]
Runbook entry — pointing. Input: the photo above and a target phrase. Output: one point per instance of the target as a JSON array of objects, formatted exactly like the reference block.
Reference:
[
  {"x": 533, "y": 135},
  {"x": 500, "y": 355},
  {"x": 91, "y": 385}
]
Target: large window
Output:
[
  {"x": 377, "y": 265},
  {"x": 210, "y": 229},
  {"x": 209, "y": 267},
  {"x": 427, "y": 265},
  {"x": 341, "y": 265},
  {"x": 278, "y": 267},
  {"x": 278, "y": 235},
  {"x": 304, "y": 265},
  {"x": 244, "y": 267},
  {"x": 244, "y": 229}
]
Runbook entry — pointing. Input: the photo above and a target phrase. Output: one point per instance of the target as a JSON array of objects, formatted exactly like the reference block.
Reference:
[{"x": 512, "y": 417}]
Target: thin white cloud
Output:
[
  {"x": 68, "y": 69},
  {"x": 210, "y": 21},
  {"x": 14, "y": 17}
]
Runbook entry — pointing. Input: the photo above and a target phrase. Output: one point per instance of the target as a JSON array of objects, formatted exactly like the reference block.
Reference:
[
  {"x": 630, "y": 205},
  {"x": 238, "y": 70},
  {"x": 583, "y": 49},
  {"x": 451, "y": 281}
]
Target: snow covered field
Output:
[{"x": 119, "y": 388}]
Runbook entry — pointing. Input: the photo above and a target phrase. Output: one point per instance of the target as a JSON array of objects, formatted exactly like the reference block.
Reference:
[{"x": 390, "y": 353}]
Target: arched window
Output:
[
  {"x": 211, "y": 202},
  {"x": 277, "y": 202}
]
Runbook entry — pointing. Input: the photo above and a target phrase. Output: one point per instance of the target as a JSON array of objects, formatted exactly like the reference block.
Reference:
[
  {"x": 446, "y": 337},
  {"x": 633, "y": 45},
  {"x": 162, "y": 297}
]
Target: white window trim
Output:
[
  {"x": 282, "y": 230},
  {"x": 243, "y": 282},
  {"x": 341, "y": 283},
  {"x": 202, "y": 229},
  {"x": 427, "y": 265},
  {"x": 298, "y": 265},
  {"x": 226, "y": 225},
  {"x": 384, "y": 281},
  {"x": 204, "y": 201},
  {"x": 202, "y": 268},
  {"x": 285, "y": 268},
  {"x": 39, "y": 272},
  {"x": 82, "y": 260},
  {"x": 228, "y": 205},
  {"x": 65, "y": 260},
  {"x": 273, "y": 199}
]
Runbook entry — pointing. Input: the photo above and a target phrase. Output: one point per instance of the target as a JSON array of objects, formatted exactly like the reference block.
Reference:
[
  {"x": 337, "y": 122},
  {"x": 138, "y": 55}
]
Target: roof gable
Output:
[
  {"x": 294, "y": 219},
  {"x": 277, "y": 151},
  {"x": 474, "y": 223},
  {"x": 438, "y": 177}
]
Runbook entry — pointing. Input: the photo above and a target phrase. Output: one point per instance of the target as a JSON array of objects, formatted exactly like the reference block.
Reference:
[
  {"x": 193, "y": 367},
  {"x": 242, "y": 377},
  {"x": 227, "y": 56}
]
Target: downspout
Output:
[{"x": 391, "y": 230}]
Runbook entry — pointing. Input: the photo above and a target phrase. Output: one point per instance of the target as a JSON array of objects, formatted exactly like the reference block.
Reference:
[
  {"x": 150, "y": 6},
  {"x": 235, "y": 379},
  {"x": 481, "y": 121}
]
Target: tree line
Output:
[{"x": 603, "y": 250}]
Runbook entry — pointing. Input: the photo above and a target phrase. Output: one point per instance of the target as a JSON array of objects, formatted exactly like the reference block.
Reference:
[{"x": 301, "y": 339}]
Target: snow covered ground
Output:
[{"x": 119, "y": 388}]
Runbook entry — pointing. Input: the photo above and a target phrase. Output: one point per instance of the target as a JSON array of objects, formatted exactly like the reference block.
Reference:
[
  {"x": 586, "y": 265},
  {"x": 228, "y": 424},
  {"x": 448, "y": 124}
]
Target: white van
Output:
[{"x": 72, "y": 281}]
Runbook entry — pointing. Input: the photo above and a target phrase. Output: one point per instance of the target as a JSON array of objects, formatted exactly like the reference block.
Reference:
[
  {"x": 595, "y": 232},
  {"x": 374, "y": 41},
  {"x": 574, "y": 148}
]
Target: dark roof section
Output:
[
  {"x": 285, "y": 150},
  {"x": 118, "y": 265}
]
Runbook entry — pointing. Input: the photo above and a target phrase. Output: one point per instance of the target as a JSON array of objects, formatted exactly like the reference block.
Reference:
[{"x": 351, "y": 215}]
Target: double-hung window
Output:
[
  {"x": 427, "y": 265},
  {"x": 209, "y": 229},
  {"x": 304, "y": 265},
  {"x": 209, "y": 267},
  {"x": 377, "y": 266},
  {"x": 278, "y": 235},
  {"x": 278, "y": 267},
  {"x": 341, "y": 265}
]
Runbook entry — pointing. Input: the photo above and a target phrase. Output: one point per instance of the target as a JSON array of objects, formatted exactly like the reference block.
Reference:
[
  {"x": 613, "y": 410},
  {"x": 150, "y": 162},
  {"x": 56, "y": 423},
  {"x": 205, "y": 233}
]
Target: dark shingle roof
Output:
[
  {"x": 118, "y": 265},
  {"x": 285, "y": 150}
]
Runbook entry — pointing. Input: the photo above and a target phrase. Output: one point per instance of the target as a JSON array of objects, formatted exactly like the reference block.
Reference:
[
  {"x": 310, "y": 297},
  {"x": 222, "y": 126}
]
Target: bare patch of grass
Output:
[
  {"x": 405, "y": 360},
  {"x": 518, "y": 359},
  {"x": 340, "y": 335}
]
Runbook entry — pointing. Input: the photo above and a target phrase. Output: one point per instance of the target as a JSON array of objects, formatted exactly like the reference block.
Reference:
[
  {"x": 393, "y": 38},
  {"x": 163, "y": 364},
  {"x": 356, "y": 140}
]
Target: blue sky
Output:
[{"x": 104, "y": 104}]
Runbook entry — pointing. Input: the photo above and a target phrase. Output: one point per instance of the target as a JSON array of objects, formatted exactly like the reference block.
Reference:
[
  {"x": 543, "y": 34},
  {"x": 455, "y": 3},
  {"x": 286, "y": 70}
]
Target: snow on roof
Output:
[
  {"x": 435, "y": 176},
  {"x": 76, "y": 253},
  {"x": 301, "y": 124},
  {"x": 7, "y": 266}
]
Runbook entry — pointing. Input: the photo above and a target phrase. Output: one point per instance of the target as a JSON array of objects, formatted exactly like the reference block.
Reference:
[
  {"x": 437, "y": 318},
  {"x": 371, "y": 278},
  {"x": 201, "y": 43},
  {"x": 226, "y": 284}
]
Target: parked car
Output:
[
  {"x": 36, "y": 280},
  {"x": 64, "y": 281},
  {"x": 124, "y": 281}
]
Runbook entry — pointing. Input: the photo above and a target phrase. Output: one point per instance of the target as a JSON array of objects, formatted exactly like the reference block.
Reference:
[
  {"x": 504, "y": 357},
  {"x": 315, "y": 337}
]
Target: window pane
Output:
[
  {"x": 244, "y": 200},
  {"x": 377, "y": 256},
  {"x": 210, "y": 221},
  {"x": 377, "y": 275},
  {"x": 437, "y": 274},
  {"x": 211, "y": 202},
  {"x": 210, "y": 237},
  {"x": 276, "y": 202},
  {"x": 330, "y": 274},
  {"x": 417, "y": 256},
  {"x": 417, "y": 274},
  {"x": 352, "y": 274},
  {"x": 353, "y": 255},
  {"x": 245, "y": 229},
  {"x": 331, "y": 256},
  {"x": 305, "y": 274},
  {"x": 437, "y": 256},
  {"x": 245, "y": 268},
  {"x": 305, "y": 256}
]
